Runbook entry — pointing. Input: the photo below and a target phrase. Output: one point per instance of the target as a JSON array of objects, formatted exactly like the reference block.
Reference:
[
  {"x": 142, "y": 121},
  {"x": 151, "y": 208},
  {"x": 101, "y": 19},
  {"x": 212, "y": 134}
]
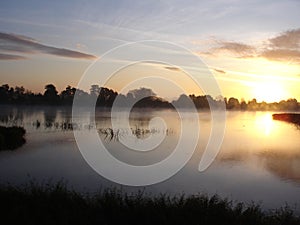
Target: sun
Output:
[{"x": 269, "y": 92}]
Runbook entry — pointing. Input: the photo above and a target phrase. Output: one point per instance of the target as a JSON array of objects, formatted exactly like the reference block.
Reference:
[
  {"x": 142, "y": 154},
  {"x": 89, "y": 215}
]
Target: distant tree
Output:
[
  {"x": 201, "y": 102},
  {"x": 19, "y": 94},
  {"x": 4, "y": 94},
  {"x": 67, "y": 95},
  {"x": 253, "y": 105},
  {"x": 152, "y": 102},
  {"x": 141, "y": 93},
  {"x": 183, "y": 101},
  {"x": 106, "y": 97},
  {"x": 233, "y": 103},
  {"x": 263, "y": 106},
  {"x": 243, "y": 105},
  {"x": 84, "y": 97},
  {"x": 95, "y": 90},
  {"x": 290, "y": 105},
  {"x": 50, "y": 94},
  {"x": 145, "y": 96}
]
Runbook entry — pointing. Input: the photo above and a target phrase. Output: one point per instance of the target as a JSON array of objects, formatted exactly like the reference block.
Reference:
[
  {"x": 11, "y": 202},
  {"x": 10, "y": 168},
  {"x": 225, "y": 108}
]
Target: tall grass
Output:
[{"x": 55, "y": 204}]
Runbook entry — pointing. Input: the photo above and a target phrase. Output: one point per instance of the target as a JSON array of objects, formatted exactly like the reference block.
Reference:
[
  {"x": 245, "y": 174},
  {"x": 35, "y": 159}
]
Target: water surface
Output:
[{"x": 259, "y": 158}]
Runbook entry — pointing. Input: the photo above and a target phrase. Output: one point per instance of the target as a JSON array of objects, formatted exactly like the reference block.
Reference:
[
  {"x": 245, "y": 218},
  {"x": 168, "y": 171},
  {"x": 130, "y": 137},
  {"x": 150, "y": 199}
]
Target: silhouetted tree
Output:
[
  {"x": 106, "y": 97},
  {"x": 4, "y": 93},
  {"x": 201, "y": 102},
  {"x": 253, "y": 105},
  {"x": 233, "y": 103},
  {"x": 147, "y": 98},
  {"x": 50, "y": 95},
  {"x": 290, "y": 104},
  {"x": 152, "y": 102},
  {"x": 243, "y": 105},
  {"x": 183, "y": 101},
  {"x": 95, "y": 90},
  {"x": 67, "y": 95},
  {"x": 142, "y": 93}
]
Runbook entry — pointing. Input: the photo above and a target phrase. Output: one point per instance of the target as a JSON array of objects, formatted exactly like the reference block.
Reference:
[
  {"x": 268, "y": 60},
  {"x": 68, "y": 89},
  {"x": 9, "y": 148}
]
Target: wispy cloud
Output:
[
  {"x": 236, "y": 48},
  {"x": 283, "y": 47},
  {"x": 22, "y": 44},
  {"x": 282, "y": 55},
  {"x": 11, "y": 57},
  {"x": 289, "y": 39},
  {"x": 219, "y": 70},
  {"x": 172, "y": 68}
]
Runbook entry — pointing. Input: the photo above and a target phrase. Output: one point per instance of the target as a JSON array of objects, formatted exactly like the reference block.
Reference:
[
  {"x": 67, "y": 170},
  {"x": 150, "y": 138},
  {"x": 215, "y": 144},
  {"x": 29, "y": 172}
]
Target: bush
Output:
[{"x": 11, "y": 137}]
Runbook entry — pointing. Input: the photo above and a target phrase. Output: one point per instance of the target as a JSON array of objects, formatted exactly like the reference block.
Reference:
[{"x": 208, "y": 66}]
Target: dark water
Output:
[{"x": 259, "y": 159}]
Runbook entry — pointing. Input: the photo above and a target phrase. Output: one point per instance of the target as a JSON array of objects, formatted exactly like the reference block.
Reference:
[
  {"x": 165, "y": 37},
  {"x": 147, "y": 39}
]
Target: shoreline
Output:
[{"x": 288, "y": 117}]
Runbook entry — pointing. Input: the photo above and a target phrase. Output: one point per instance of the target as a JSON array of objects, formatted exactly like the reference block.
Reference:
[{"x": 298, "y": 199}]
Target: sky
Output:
[{"x": 252, "y": 48}]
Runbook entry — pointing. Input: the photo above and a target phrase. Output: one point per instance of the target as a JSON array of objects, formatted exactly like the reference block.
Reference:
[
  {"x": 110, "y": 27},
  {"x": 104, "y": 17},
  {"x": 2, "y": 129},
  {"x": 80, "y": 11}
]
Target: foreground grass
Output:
[{"x": 55, "y": 204}]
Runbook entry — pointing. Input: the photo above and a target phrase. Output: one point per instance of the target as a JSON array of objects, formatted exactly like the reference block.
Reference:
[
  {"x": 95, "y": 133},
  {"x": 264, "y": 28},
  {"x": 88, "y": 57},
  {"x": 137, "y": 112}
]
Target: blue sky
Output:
[{"x": 230, "y": 36}]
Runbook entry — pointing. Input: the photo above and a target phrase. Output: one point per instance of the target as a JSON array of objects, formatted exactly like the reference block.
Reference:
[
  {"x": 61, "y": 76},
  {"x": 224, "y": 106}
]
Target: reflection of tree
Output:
[
  {"x": 236, "y": 156},
  {"x": 283, "y": 165},
  {"x": 12, "y": 117},
  {"x": 110, "y": 134},
  {"x": 49, "y": 116}
]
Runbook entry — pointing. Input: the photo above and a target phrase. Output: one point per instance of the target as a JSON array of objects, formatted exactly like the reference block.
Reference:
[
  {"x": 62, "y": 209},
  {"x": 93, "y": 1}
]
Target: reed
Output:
[{"x": 56, "y": 204}]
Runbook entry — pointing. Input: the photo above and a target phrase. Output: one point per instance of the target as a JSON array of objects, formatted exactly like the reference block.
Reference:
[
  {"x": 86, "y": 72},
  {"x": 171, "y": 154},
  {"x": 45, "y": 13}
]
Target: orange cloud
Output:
[{"x": 284, "y": 47}]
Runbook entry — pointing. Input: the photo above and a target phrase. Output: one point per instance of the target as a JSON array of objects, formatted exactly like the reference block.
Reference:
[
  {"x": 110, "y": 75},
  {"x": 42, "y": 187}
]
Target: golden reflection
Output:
[{"x": 265, "y": 124}]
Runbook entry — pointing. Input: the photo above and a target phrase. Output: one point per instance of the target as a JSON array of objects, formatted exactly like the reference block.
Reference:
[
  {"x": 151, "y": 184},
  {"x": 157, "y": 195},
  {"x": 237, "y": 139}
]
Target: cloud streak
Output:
[
  {"x": 172, "y": 68},
  {"x": 289, "y": 40},
  {"x": 11, "y": 57},
  {"x": 26, "y": 45},
  {"x": 219, "y": 70},
  {"x": 282, "y": 55},
  {"x": 283, "y": 47},
  {"x": 236, "y": 48}
]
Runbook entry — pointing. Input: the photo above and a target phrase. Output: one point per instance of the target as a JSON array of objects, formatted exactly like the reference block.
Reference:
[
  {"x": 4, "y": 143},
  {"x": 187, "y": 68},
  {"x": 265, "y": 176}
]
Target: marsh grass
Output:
[
  {"x": 140, "y": 133},
  {"x": 55, "y": 204}
]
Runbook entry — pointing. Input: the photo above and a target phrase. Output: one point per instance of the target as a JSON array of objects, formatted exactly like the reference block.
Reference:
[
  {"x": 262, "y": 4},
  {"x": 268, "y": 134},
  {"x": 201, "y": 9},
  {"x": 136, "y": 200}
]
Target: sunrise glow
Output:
[{"x": 270, "y": 91}]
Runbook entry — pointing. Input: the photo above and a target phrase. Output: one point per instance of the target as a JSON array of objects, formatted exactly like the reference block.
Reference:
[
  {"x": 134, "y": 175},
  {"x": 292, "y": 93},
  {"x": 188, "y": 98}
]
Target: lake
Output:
[{"x": 259, "y": 159}]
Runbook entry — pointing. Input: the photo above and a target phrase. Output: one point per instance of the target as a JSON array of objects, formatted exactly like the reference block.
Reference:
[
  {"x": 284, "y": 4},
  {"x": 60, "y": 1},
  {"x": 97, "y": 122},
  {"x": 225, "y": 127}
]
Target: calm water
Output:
[{"x": 259, "y": 159}]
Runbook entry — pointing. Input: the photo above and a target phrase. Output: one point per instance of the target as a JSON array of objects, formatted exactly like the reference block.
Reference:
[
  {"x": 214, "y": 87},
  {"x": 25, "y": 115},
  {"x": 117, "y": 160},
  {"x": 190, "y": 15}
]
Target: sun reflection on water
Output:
[{"x": 265, "y": 124}]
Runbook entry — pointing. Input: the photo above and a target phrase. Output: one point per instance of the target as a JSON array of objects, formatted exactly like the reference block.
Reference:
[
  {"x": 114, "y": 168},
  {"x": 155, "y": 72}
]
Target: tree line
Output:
[{"x": 142, "y": 97}]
